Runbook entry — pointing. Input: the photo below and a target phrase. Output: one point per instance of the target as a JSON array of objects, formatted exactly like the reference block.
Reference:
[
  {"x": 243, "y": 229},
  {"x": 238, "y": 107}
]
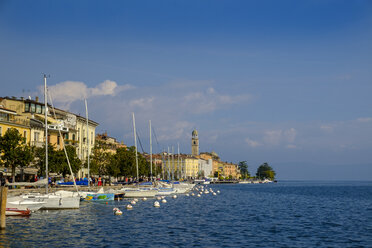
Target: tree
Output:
[
  {"x": 243, "y": 167},
  {"x": 61, "y": 163},
  {"x": 57, "y": 161},
  {"x": 265, "y": 171},
  {"x": 14, "y": 151},
  {"x": 99, "y": 159},
  {"x": 125, "y": 160}
]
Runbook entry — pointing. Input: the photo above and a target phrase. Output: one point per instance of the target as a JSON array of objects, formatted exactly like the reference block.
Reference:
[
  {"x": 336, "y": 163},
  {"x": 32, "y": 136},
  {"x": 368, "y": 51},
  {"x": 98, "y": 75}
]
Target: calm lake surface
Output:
[{"x": 283, "y": 214}]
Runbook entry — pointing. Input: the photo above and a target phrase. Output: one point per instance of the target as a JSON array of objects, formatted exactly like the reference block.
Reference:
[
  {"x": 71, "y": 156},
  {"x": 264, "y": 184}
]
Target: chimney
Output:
[{"x": 36, "y": 98}]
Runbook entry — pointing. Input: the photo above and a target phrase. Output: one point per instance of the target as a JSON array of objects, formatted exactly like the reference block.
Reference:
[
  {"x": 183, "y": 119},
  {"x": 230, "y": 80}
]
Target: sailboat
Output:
[
  {"x": 59, "y": 199},
  {"x": 138, "y": 192}
]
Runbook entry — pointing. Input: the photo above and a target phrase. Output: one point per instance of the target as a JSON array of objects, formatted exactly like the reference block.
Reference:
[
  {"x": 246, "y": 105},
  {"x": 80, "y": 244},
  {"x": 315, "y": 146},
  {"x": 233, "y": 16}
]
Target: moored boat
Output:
[{"x": 17, "y": 212}]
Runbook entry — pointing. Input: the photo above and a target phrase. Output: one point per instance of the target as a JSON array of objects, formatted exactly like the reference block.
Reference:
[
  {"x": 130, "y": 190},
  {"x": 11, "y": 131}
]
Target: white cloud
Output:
[
  {"x": 291, "y": 146},
  {"x": 179, "y": 131},
  {"x": 67, "y": 92},
  {"x": 142, "y": 102},
  {"x": 272, "y": 137},
  {"x": 290, "y": 135},
  {"x": 252, "y": 143},
  {"x": 276, "y": 137},
  {"x": 327, "y": 128},
  {"x": 201, "y": 102},
  {"x": 365, "y": 119}
]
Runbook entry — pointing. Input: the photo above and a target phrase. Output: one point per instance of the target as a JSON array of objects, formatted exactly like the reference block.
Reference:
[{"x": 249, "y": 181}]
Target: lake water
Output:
[{"x": 283, "y": 214}]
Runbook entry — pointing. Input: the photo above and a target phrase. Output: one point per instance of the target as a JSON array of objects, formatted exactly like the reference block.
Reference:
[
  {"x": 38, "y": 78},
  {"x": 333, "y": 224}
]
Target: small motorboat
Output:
[{"x": 17, "y": 212}]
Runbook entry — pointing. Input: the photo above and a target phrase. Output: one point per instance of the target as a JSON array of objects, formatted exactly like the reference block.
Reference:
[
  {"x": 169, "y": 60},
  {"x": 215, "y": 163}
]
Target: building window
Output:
[
  {"x": 33, "y": 107},
  {"x": 25, "y": 134},
  {"x": 1, "y": 130},
  {"x": 91, "y": 138},
  {"x": 27, "y": 107},
  {"x": 38, "y": 109},
  {"x": 36, "y": 136},
  {"x": 58, "y": 140},
  {"x": 73, "y": 137}
]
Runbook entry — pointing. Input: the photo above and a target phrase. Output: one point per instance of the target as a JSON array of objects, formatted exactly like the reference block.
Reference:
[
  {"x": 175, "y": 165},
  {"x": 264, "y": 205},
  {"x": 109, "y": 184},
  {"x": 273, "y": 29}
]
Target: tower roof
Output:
[{"x": 194, "y": 133}]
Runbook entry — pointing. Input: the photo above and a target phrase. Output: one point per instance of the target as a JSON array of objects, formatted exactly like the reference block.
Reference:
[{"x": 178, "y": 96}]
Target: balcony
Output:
[{"x": 37, "y": 143}]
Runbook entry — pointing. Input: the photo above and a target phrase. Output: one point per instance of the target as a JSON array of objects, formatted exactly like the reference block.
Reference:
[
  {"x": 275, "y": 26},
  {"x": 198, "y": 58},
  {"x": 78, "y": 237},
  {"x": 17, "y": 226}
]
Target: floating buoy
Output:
[
  {"x": 129, "y": 207},
  {"x": 214, "y": 193},
  {"x": 198, "y": 195},
  {"x": 187, "y": 195},
  {"x": 106, "y": 202},
  {"x": 145, "y": 199},
  {"x": 135, "y": 199},
  {"x": 192, "y": 194},
  {"x": 118, "y": 212},
  {"x": 174, "y": 196},
  {"x": 158, "y": 198},
  {"x": 156, "y": 204},
  {"x": 164, "y": 201},
  {"x": 115, "y": 209},
  {"x": 163, "y": 197},
  {"x": 218, "y": 191},
  {"x": 133, "y": 202}
]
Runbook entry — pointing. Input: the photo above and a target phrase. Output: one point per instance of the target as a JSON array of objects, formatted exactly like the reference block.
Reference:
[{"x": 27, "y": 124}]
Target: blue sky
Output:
[{"x": 283, "y": 82}]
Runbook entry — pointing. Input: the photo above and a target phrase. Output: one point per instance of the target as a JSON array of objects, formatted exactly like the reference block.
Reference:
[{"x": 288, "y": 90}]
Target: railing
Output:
[
  {"x": 17, "y": 121},
  {"x": 37, "y": 143}
]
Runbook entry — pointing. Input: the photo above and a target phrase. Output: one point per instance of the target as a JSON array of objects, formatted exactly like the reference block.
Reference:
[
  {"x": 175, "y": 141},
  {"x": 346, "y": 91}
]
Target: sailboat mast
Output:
[
  {"x": 173, "y": 163},
  {"x": 135, "y": 143},
  {"x": 178, "y": 162},
  {"x": 46, "y": 133},
  {"x": 88, "y": 160},
  {"x": 168, "y": 167},
  {"x": 150, "y": 153}
]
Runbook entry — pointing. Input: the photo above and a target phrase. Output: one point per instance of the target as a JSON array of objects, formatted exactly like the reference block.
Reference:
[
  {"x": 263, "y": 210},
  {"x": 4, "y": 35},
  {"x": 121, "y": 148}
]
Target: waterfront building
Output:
[
  {"x": 205, "y": 167},
  {"x": 8, "y": 120},
  {"x": 110, "y": 143},
  {"x": 191, "y": 165},
  {"x": 28, "y": 117},
  {"x": 85, "y": 141}
]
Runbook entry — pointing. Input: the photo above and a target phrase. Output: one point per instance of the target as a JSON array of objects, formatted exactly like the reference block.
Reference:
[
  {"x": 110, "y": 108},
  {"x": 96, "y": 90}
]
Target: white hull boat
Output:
[
  {"x": 138, "y": 193},
  {"x": 55, "y": 201},
  {"x": 19, "y": 203}
]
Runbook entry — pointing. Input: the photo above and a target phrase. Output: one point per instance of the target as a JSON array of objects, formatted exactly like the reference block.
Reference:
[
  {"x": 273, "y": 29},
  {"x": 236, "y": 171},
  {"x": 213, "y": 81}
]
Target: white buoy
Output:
[
  {"x": 115, "y": 209},
  {"x": 164, "y": 201},
  {"x": 192, "y": 194},
  {"x": 118, "y": 212},
  {"x": 156, "y": 204},
  {"x": 135, "y": 199},
  {"x": 163, "y": 197},
  {"x": 145, "y": 199},
  {"x": 218, "y": 192},
  {"x": 198, "y": 195},
  {"x": 133, "y": 202},
  {"x": 187, "y": 195},
  {"x": 214, "y": 193},
  {"x": 129, "y": 207},
  {"x": 174, "y": 196},
  {"x": 158, "y": 198}
]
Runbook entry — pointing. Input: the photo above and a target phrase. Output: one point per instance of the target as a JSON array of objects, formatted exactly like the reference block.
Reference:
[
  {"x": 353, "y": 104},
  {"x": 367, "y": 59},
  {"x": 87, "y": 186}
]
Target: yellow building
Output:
[{"x": 8, "y": 120}]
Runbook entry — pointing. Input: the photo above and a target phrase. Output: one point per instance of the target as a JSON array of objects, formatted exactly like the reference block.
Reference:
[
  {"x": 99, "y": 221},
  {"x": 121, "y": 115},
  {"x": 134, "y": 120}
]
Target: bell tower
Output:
[{"x": 195, "y": 143}]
